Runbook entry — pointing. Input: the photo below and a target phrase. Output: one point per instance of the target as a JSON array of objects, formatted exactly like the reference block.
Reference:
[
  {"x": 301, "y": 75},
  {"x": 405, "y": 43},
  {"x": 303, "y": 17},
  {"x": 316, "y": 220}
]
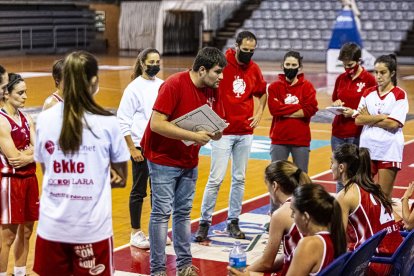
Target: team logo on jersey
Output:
[
  {"x": 23, "y": 130},
  {"x": 96, "y": 270},
  {"x": 50, "y": 147},
  {"x": 291, "y": 99},
  {"x": 361, "y": 86},
  {"x": 379, "y": 106},
  {"x": 239, "y": 87}
]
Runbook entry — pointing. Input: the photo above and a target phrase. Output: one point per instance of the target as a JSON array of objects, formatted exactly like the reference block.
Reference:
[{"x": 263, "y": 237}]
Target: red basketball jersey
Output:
[
  {"x": 20, "y": 133},
  {"x": 290, "y": 241},
  {"x": 328, "y": 251},
  {"x": 369, "y": 218}
]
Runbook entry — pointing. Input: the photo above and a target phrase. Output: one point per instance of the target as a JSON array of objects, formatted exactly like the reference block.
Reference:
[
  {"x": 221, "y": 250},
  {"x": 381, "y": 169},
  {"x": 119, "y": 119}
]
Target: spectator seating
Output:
[
  {"x": 360, "y": 258},
  {"x": 403, "y": 259},
  {"x": 306, "y": 25},
  {"x": 335, "y": 268},
  {"x": 46, "y": 28}
]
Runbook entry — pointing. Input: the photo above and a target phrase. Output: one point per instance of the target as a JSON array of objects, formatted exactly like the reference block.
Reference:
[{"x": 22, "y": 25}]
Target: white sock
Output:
[
  {"x": 3, "y": 273},
  {"x": 19, "y": 271}
]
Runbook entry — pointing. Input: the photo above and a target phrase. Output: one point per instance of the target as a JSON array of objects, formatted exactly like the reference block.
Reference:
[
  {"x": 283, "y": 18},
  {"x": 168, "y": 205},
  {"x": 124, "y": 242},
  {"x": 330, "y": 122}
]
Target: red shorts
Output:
[
  {"x": 377, "y": 165},
  {"x": 19, "y": 198},
  {"x": 65, "y": 259}
]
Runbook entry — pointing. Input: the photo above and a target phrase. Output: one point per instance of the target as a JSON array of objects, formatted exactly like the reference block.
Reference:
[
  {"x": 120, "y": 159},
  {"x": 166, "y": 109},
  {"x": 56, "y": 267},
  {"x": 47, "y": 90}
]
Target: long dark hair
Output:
[
  {"x": 324, "y": 209},
  {"x": 78, "y": 70},
  {"x": 142, "y": 56},
  {"x": 358, "y": 164},
  {"x": 287, "y": 175},
  {"x": 390, "y": 62}
]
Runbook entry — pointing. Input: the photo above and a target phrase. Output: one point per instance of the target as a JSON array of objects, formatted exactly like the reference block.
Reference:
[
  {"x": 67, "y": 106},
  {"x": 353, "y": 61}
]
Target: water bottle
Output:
[{"x": 237, "y": 257}]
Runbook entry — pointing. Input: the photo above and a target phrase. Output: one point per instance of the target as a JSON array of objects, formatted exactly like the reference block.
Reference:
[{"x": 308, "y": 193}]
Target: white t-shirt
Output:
[
  {"x": 136, "y": 106},
  {"x": 75, "y": 206},
  {"x": 385, "y": 145}
]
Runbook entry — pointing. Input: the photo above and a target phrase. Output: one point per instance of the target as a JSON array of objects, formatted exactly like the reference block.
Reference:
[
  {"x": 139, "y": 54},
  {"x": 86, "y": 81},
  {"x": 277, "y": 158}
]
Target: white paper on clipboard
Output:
[
  {"x": 337, "y": 110},
  {"x": 202, "y": 118}
]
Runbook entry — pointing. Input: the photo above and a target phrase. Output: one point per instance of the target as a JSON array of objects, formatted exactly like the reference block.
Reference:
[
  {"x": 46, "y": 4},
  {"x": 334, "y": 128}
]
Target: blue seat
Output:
[
  {"x": 402, "y": 260},
  {"x": 360, "y": 258},
  {"x": 335, "y": 268}
]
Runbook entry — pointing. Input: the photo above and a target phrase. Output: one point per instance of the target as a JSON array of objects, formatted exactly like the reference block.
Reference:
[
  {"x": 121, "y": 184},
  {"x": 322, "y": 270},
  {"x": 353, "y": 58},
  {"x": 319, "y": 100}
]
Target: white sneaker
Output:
[{"x": 139, "y": 240}]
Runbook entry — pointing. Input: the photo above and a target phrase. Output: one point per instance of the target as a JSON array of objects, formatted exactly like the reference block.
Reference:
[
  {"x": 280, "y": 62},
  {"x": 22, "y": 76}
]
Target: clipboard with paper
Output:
[
  {"x": 202, "y": 118},
  {"x": 337, "y": 110}
]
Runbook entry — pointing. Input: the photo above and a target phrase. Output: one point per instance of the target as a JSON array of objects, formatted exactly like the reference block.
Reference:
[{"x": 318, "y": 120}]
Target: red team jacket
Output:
[
  {"x": 285, "y": 99},
  {"x": 240, "y": 83},
  {"x": 349, "y": 91}
]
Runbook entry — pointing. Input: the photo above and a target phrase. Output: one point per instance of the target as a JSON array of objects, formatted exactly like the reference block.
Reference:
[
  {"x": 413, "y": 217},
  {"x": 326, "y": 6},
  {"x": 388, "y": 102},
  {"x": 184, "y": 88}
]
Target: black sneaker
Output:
[
  {"x": 202, "y": 232},
  {"x": 234, "y": 230}
]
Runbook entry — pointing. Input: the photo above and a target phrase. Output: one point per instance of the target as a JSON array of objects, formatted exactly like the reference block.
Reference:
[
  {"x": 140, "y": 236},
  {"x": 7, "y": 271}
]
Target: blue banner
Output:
[{"x": 345, "y": 30}]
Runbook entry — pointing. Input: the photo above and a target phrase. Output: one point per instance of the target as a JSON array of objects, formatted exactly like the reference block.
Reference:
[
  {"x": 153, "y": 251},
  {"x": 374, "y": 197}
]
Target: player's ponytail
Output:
[
  {"x": 323, "y": 210},
  {"x": 357, "y": 163},
  {"x": 337, "y": 229},
  {"x": 286, "y": 175},
  {"x": 79, "y": 69}
]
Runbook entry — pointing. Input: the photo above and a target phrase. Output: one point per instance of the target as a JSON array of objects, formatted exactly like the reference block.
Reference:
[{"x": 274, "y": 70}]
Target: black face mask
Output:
[
  {"x": 291, "y": 72},
  {"x": 152, "y": 70},
  {"x": 244, "y": 57}
]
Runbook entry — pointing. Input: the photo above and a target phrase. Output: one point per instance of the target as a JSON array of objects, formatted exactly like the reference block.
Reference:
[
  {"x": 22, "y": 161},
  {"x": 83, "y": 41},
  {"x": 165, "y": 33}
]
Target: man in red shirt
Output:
[
  {"x": 242, "y": 80},
  {"x": 349, "y": 87},
  {"x": 173, "y": 165}
]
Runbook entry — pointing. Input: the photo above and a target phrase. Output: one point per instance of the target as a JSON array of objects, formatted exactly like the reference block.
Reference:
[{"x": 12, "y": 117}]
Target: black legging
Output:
[{"x": 139, "y": 191}]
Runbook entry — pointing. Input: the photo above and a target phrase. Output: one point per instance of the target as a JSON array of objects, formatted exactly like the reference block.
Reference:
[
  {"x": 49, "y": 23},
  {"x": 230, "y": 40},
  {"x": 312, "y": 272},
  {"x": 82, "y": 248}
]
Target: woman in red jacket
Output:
[{"x": 292, "y": 102}]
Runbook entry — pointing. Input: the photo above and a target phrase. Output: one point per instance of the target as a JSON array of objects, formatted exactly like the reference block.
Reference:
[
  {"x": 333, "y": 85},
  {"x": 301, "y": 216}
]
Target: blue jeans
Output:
[
  {"x": 335, "y": 143},
  {"x": 237, "y": 147},
  {"x": 172, "y": 192}
]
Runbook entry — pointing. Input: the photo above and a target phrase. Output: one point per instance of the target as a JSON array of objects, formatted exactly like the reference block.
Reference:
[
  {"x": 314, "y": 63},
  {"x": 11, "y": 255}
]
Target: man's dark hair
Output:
[
  {"x": 350, "y": 52},
  {"x": 208, "y": 57},
  {"x": 245, "y": 34}
]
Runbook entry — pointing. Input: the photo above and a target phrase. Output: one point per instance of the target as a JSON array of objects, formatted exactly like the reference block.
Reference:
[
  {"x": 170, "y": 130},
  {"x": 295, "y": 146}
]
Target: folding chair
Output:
[
  {"x": 402, "y": 260},
  {"x": 360, "y": 258},
  {"x": 335, "y": 268}
]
